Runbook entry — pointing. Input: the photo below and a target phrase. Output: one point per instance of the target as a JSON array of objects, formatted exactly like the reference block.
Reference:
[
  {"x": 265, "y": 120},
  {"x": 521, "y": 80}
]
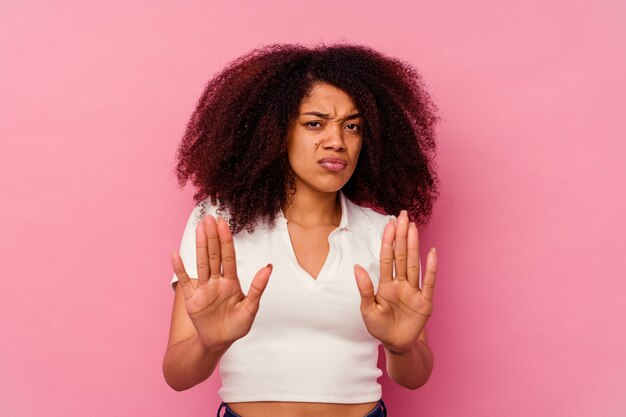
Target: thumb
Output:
[
  {"x": 366, "y": 289},
  {"x": 257, "y": 286}
]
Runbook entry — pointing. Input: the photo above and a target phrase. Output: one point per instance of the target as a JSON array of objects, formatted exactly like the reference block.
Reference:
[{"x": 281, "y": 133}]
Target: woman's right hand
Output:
[{"x": 219, "y": 310}]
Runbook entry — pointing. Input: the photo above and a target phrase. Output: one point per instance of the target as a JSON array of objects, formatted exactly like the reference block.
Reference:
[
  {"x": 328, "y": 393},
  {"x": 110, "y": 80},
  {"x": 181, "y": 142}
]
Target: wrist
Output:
[
  {"x": 396, "y": 350},
  {"x": 401, "y": 350},
  {"x": 214, "y": 348}
]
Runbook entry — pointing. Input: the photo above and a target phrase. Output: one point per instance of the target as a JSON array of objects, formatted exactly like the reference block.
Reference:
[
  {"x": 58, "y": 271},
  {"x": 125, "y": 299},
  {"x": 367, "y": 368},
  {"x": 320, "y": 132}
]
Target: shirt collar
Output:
[{"x": 352, "y": 216}]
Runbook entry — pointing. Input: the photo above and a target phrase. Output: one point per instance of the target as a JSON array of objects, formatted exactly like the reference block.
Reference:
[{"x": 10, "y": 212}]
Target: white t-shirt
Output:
[{"x": 308, "y": 341}]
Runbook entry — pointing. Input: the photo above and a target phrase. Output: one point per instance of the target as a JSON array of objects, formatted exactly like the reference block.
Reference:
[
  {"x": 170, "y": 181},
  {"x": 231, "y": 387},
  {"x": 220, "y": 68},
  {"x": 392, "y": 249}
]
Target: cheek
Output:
[
  {"x": 298, "y": 157},
  {"x": 299, "y": 145},
  {"x": 357, "y": 156},
  {"x": 358, "y": 148}
]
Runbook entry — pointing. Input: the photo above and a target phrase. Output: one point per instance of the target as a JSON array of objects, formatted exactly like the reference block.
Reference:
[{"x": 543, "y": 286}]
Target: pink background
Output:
[{"x": 530, "y": 226}]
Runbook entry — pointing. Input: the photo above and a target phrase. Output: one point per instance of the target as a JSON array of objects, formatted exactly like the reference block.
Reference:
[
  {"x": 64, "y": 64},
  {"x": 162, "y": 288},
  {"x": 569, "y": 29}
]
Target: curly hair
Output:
[{"x": 234, "y": 149}]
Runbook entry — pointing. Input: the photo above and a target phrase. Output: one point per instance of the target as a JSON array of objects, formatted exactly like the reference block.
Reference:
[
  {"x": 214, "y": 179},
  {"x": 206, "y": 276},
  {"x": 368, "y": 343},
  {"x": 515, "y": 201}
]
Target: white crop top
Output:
[{"x": 308, "y": 341}]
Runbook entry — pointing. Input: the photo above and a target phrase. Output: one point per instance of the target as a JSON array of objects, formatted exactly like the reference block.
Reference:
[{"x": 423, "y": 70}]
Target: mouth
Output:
[{"x": 333, "y": 164}]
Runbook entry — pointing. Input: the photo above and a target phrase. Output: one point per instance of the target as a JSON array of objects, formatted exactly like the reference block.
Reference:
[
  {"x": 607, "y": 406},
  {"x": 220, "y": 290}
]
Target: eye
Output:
[
  {"x": 353, "y": 127},
  {"x": 313, "y": 124}
]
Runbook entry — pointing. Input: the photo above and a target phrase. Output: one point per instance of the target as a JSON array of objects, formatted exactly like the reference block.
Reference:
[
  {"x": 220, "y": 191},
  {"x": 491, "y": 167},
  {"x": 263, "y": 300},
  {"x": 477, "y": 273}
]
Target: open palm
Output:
[
  {"x": 397, "y": 314},
  {"x": 219, "y": 310}
]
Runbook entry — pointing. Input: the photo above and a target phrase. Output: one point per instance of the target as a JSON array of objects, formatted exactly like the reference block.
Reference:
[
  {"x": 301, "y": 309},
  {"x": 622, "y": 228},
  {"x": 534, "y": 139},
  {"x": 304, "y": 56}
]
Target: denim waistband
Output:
[{"x": 379, "y": 411}]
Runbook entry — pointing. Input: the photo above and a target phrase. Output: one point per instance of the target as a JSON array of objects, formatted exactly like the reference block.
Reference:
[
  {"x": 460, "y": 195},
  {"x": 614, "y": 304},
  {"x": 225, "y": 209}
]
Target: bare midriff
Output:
[{"x": 301, "y": 409}]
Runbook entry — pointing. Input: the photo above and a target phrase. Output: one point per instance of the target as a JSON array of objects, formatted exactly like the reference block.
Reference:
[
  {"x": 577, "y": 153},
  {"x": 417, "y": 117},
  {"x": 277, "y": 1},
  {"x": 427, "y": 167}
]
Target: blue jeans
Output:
[{"x": 379, "y": 411}]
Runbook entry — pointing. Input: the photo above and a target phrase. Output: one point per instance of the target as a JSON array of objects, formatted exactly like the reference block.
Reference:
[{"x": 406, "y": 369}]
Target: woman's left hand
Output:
[{"x": 397, "y": 314}]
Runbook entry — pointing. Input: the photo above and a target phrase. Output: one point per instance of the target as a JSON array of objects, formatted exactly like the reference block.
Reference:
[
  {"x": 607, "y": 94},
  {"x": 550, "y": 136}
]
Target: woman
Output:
[{"x": 295, "y": 153}]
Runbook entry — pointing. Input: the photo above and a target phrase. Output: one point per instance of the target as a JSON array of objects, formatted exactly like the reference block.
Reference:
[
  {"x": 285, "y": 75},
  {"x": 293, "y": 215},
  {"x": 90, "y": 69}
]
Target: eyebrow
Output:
[{"x": 327, "y": 116}]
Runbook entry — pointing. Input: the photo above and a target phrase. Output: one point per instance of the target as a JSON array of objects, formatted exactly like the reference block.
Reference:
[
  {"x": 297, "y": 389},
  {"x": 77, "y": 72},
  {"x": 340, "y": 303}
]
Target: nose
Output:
[{"x": 334, "y": 139}]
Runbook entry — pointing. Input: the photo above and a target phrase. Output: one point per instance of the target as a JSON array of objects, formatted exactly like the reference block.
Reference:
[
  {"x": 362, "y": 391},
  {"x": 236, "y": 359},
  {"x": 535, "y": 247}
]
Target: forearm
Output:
[
  {"x": 187, "y": 363},
  {"x": 412, "y": 368}
]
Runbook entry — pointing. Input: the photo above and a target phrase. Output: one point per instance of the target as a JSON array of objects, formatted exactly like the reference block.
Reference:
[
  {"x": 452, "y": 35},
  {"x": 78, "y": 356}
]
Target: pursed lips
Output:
[{"x": 333, "y": 164}]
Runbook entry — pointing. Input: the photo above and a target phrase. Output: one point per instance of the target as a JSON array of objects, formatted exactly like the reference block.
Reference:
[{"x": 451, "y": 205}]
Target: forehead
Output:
[{"x": 324, "y": 96}]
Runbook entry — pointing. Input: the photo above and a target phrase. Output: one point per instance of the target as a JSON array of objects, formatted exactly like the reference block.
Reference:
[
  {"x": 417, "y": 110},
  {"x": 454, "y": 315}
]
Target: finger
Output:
[
  {"x": 202, "y": 257},
  {"x": 386, "y": 252},
  {"x": 181, "y": 274},
  {"x": 366, "y": 289},
  {"x": 429, "y": 276},
  {"x": 229, "y": 264},
  {"x": 213, "y": 243},
  {"x": 400, "y": 246},
  {"x": 413, "y": 257},
  {"x": 257, "y": 287}
]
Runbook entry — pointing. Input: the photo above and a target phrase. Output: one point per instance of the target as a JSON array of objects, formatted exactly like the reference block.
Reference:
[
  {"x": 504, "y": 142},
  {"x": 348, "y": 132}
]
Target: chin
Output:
[
  {"x": 330, "y": 187},
  {"x": 323, "y": 187},
  {"x": 324, "y": 182}
]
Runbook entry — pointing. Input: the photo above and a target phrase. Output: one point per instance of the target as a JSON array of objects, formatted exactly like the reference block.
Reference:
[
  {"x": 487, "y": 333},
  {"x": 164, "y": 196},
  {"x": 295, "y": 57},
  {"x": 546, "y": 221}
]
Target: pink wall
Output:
[{"x": 530, "y": 227}]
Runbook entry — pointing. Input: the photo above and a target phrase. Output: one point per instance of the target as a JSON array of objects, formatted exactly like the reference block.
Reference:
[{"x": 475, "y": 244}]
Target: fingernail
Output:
[{"x": 433, "y": 250}]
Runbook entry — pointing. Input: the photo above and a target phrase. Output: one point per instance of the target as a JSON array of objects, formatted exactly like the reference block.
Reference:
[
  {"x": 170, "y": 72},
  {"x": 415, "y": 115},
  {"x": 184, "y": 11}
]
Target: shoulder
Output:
[
  {"x": 362, "y": 218},
  {"x": 199, "y": 212},
  {"x": 204, "y": 208}
]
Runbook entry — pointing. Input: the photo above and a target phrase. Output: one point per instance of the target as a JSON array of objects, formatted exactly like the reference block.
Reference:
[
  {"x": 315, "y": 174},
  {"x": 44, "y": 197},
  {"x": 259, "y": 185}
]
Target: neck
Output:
[{"x": 312, "y": 208}]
